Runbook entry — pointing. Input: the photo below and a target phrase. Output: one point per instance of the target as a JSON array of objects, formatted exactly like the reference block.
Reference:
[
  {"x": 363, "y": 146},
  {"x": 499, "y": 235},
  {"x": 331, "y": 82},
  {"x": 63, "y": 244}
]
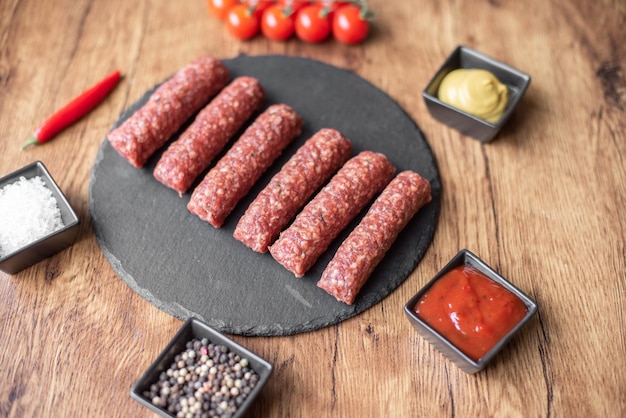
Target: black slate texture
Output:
[{"x": 186, "y": 267}]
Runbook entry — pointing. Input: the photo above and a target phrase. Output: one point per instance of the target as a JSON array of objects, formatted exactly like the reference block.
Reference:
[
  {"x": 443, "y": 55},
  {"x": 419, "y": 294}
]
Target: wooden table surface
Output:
[{"x": 543, "y": 204}]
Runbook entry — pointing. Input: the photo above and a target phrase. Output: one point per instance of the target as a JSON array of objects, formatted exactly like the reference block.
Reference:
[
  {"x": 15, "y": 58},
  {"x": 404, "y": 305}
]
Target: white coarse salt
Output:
[{"x": 28, "y": 211}]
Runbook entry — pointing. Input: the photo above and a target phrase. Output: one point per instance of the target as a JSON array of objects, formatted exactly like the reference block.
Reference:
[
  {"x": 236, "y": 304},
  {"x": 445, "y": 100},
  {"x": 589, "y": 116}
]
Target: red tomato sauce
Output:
[{"x": 472, "y": 311}]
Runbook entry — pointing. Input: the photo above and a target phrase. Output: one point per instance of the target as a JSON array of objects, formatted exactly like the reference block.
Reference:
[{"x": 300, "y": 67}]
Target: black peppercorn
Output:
[{"x": 205, "y": 380}]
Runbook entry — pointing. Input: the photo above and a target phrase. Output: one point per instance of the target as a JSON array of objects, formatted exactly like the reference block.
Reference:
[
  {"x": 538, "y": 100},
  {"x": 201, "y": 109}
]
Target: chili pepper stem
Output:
[{"x": 32, "y": 140}]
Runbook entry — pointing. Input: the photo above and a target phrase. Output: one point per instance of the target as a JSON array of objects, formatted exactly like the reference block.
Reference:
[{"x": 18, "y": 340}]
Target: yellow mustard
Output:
[{"x": 475, "y": 91}]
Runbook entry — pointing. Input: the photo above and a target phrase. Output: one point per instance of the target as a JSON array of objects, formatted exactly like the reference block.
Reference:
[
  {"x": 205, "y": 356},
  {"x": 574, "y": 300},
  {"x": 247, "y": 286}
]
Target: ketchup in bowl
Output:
[{"x": 470, "y": 310}]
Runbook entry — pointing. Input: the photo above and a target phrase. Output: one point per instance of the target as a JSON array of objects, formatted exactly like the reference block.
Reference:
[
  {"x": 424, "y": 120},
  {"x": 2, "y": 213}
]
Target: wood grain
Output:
[{"x": 543, "y": 204}]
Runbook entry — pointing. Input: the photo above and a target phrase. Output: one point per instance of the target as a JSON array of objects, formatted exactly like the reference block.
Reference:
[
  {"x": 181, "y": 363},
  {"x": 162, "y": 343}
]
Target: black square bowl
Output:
[
  {"x": 194, "y": 328},
  {"x": 448, "y": 349},
  {"x": 516, "y": 81},
  {"x": 50, "y": 244}
]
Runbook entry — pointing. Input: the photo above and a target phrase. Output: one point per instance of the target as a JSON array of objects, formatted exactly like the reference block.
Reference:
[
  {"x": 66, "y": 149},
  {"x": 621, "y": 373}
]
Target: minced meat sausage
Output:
[
  {"x": 187, "y": 157},
  {"x": 331, "y": 210},
  {"x": 236, "y": 172},
  {"x": 289, "y": 190},
  {"x": 367, "y": 244},
  {"x": 167, "y": 109}
]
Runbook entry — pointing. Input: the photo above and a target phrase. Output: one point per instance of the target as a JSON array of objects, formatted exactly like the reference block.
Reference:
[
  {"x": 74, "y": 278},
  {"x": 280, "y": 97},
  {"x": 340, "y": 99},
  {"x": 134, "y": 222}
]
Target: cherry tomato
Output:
[
  {"x": 241, "y": 22},
  {"x": 349, "y": 25},
  {"x": 277, "y": 23},
  {"x": 312, "y": 23},
  {"x": 219, "y": 8}
]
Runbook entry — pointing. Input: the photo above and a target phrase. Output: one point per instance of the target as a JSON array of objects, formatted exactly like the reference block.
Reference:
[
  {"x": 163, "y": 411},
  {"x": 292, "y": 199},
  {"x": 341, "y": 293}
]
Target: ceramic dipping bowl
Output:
[
  {"x": 48, "y": 245},
  {"x": 192, "y": 329},
  {"x": 516, "y": 81},
  {"x": 427, "y": 330}
]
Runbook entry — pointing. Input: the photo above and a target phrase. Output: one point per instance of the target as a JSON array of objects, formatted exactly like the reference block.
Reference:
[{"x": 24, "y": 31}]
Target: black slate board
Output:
[{"x": 186, "y": 267}]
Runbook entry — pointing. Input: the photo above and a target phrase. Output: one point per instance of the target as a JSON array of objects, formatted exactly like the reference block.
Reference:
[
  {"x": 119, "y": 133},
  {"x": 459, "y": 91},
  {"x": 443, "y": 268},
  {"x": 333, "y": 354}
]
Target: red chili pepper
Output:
[{"x": 74, "y": 110}]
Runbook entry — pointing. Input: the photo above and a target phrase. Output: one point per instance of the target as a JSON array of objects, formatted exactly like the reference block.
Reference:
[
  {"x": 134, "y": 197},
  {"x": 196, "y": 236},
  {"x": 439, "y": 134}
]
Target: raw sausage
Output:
[
  {"x": 367, "y": 244},
  {"x": 167, "y": 109},
  {"x": 331, "y": 210},
  {"x": 288, "y": 191},
  {"x": 236, "y": 172},
  {"x": 187, "y": 157}
]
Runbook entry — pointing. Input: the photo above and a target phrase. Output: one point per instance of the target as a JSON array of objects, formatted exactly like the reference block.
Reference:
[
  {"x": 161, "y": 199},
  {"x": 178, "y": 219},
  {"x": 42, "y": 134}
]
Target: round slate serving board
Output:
[{"x": 186, "y": 267}]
